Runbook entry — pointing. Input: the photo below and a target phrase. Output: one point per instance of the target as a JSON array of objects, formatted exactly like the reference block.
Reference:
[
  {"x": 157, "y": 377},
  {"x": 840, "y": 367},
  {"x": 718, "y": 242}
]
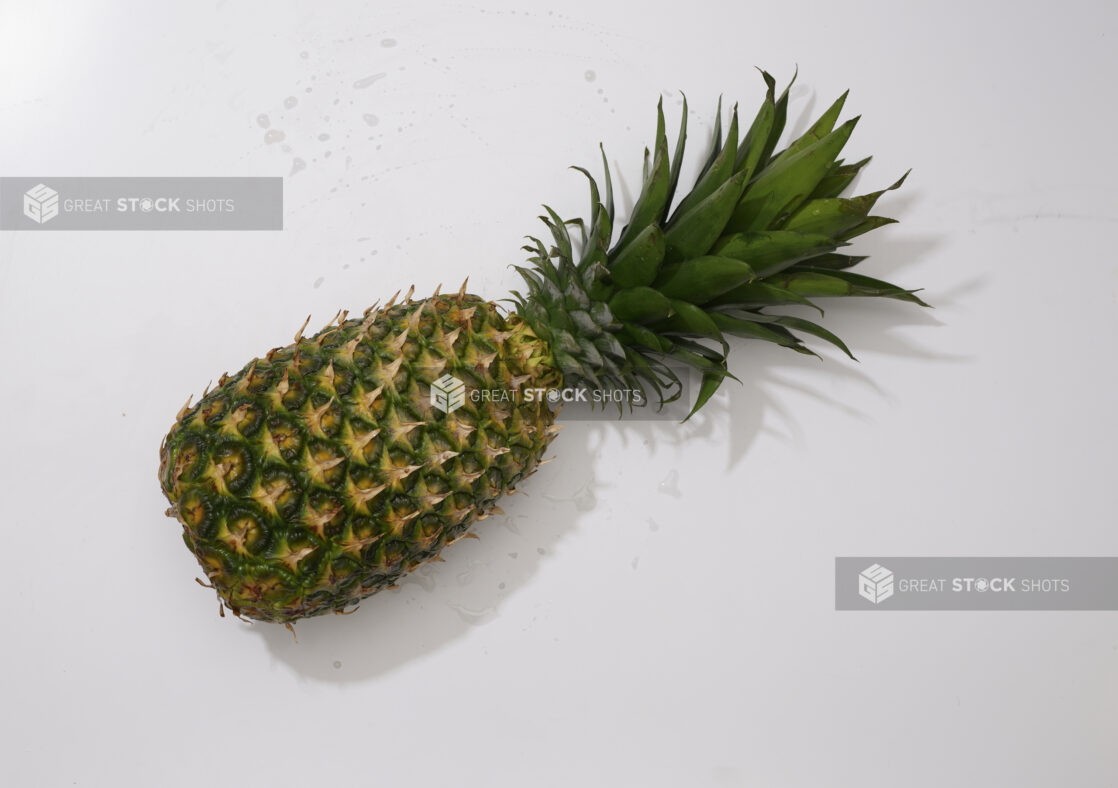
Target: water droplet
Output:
[
  {"x": 290, "y": 102},
  {"x": 371, "y": 120},
  {"x": 304, "y": 54},
  {"x": 424, "y": 577},
  {"x": 468, "y": 615},
  {"x": 318, "y": 282},
  {"x": 297, "y": 165},
  {"x": 323, "y": 137},
  {"x": 337, "y": 664},
  {"x": 636, "y": 560},
  {"x": 670, "y": 485},
  {"x": 585, "y": 500},
  {"x": 263, "y": 121},
  {"x": 364, "y": 82},
  {"x": 388, "y": 42},
  {"x": 590, "y": 76},
  {"x": 501, "y": 586},
  {"x": 274, "y": 135},
  {"x": 541, "y": 551},
  {"x": 653, "y": 525},
  {"x": 514, "y": 556}
]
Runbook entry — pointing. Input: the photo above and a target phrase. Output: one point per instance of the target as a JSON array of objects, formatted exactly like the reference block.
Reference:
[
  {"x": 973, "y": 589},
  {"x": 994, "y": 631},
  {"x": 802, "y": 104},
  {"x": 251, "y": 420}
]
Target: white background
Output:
[{"x": 657, "y": 610}]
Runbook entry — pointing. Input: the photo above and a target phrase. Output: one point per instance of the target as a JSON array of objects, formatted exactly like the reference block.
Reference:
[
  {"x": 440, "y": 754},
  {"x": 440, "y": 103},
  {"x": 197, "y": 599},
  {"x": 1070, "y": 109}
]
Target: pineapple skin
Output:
[{"x": 321, "y": 473}]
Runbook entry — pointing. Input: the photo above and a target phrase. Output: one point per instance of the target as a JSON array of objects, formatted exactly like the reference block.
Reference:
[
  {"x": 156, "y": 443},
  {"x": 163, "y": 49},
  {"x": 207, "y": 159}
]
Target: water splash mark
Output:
[
  {"x": 263, "y": 121},
  {"x": 272, "y": 136},
  {"x": 585, "y": 500},
  {"x": 590, "y": 76},
  {"x": 470, "y": 616},
  {"x": 364, "y": 82},
  {"x": 424, "y": 577},
  {"x": 670, "y": 485}
]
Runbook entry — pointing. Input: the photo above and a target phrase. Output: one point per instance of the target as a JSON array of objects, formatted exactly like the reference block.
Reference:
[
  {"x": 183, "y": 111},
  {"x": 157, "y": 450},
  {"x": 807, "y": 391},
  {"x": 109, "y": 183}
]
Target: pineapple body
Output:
[{"x": 322, "y": 472}]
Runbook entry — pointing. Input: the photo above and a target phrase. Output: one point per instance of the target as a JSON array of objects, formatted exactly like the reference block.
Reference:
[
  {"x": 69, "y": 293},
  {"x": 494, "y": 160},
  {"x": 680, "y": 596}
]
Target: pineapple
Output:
[{"x": 324, "y": 472}]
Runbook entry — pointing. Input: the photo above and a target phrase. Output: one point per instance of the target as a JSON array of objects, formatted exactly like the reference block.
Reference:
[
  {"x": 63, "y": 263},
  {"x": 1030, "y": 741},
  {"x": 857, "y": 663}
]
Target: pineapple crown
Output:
[{"x": 758, "y": 231}]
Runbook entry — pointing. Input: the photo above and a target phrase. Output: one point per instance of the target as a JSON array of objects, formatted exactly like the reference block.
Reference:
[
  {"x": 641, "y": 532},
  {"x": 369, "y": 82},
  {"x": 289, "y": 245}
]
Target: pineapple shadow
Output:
[{"x": 442, "y": 603}]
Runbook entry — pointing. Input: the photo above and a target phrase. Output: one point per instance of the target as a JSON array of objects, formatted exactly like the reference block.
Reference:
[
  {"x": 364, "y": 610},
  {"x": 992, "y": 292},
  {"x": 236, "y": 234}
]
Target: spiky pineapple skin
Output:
[{"x": 322, "y": 473}]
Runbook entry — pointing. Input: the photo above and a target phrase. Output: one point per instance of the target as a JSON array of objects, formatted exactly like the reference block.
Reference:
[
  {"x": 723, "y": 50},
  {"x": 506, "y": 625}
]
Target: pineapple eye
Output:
[
  {"x": 243, "y": 534},
  {"x": 343, "y": 380},
  {"x": 193, "y": 511},
  {"x": 294, "y": 396},
  {"x": 286, "y": 437},
  {"x": 210, "y": 411},
  {"x": 362, "y": 355},
  {"x": 187, "y": 462},
  {"x": 277, "y": 492},
  {"x": 232, "y": 464},
  {"x": 307, "y": 365},
  {"x": 246, "y": 419},
  {"x": 331, "y": 419},
  {"x": 260, "y": 380},
  {"x": 326, "y": 467}
]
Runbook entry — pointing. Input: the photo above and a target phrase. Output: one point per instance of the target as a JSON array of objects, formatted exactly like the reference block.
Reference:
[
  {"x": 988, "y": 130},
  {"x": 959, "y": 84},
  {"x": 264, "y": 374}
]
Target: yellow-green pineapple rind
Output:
[{"x": 321, "y": 473}]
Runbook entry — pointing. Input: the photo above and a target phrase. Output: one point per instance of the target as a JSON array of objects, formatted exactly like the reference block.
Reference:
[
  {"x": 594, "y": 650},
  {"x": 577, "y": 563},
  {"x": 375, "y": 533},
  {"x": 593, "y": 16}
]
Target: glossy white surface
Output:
[{"x": 657, "y": 610}]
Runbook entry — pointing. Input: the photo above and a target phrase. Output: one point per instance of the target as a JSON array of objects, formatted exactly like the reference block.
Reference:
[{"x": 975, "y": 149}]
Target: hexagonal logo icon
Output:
[
  {"x": 40, "y": 203},
  {"x": 875, "y": 584},
  {"x": 448, "y": 393}
]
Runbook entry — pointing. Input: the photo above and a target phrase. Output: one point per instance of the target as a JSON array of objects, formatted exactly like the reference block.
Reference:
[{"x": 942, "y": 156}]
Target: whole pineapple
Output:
[{"x": 323, "y": 472}]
